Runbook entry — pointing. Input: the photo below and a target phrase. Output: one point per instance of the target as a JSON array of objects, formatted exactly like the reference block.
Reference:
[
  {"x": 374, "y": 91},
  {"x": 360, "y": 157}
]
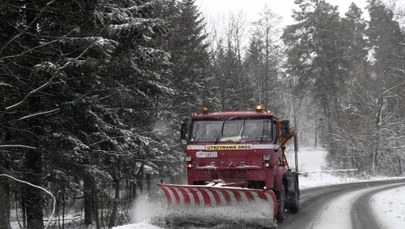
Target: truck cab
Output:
[{"x": 241, "y": 148}]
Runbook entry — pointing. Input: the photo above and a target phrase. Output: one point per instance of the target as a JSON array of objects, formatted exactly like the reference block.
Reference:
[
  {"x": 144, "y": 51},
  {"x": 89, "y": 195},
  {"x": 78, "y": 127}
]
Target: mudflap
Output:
[{"x": 223, "y": 202}]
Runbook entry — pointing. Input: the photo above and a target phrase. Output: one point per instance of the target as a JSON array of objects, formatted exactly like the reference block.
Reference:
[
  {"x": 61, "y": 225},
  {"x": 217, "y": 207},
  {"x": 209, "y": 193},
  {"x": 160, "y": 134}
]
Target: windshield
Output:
[{"x": 231, "y": 130}]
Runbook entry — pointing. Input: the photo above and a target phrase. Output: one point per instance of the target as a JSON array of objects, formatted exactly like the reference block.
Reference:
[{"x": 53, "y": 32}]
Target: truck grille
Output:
[{"x": 228, "y": 174}]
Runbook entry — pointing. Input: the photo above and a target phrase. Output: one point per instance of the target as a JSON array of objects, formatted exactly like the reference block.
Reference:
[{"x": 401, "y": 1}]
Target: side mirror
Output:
[
  {"x": 183, "y": 133},
  {"x": 286, "y": 128}
]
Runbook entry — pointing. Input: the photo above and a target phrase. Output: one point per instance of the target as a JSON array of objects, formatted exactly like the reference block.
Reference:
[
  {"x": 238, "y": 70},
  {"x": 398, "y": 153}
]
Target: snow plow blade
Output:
[{"x": 252, "y": 204}]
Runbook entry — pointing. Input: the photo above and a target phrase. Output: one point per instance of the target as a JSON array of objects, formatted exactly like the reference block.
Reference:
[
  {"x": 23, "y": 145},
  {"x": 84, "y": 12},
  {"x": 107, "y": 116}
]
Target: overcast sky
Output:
[{"x": 217, "y": 9}]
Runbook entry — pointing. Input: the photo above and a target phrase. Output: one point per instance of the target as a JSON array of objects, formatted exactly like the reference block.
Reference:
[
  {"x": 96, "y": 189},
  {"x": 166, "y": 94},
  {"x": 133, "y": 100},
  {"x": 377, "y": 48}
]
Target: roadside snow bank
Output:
[
  {"x": 389, "y": 206},
  {"x": 313, "y": 168},
  {"x": 314, "y": 171},
  {"x": 142, "y": 225}
]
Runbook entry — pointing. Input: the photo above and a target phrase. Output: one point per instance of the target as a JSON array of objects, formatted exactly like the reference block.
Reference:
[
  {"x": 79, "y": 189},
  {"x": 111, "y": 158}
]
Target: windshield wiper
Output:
[
  {"x": 242, "y": 130},
  {"x": 264, "y": 124},
  {"x": 220, "y": 132}
]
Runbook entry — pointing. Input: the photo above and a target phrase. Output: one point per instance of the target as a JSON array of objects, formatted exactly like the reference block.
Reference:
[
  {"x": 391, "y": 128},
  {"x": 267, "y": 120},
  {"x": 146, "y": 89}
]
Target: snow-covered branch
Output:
[
  {"x": 125, "y": 154},
  {"x": 39, "y": 113},
  {"x": 17, "y": 146},
  {"x": 26, "y": 28},
  {"x": 108, "y": 139},
  {"x": 38, "y": 187},
  {"x": 49, "y": 82},
  {"x": 393, "y": 87},
  {"x": 31, "y": 93}
]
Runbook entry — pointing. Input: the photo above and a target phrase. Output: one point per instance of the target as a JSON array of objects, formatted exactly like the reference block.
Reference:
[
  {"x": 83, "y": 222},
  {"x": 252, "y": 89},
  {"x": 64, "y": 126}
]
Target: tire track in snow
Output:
[
  {"x": 363, "y": 215},
  {"x": 350, "y": 210},
  {"x": 315, "y": 201}
]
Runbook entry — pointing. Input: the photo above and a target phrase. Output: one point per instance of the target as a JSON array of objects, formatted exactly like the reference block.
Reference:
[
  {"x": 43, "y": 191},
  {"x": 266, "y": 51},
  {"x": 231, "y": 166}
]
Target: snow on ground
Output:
[
  {"x": 391, "y": 205},
  {"x": 332, "y": 216},
  {"x": 141, "y": 225},
  {"x": 314, "y": 173},
  {"x": 312, "y": 165}
]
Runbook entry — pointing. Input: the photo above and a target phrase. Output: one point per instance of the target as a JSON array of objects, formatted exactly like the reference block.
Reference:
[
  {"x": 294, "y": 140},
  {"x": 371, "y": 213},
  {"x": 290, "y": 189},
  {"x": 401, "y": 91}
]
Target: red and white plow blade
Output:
[{"x": 255, "y": 201}]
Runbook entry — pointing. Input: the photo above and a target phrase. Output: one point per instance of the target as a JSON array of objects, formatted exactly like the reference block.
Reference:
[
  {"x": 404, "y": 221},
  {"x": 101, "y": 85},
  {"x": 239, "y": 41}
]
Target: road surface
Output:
[
  {"x": 333, "y": 207},
  {"x": 339, "y": 206}
]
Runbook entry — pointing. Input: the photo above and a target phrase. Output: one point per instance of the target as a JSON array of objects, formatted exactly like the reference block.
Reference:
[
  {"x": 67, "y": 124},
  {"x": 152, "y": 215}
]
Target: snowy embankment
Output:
[
  {"x": 313, "y": 168},
  {"x": 390, "y": 205},
  {"x": 314, "y": 172}
]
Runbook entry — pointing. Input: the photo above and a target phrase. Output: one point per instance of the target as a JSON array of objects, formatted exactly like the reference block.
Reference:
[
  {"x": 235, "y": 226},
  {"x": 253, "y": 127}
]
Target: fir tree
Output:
[
  {"x": 80, "y": 93},
  {"x": 189, "y": 55},
  {"x": 265, "y": 48}
]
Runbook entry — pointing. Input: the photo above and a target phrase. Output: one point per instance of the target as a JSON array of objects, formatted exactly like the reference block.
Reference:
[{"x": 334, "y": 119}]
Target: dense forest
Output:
[{"x": 92, "y": 94}]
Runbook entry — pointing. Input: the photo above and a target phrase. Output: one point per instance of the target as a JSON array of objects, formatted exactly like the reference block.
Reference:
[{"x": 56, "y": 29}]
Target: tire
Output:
[
  {"x": 281, "y": 204},
  {"x": 292, "y": 205},
  {"x": 293, "y": 196}
]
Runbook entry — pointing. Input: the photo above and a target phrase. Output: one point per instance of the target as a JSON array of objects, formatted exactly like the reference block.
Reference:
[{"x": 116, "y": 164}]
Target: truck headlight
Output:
[
  {"x": 266, "y": 161},
  {"x": 189, "y": 162}
]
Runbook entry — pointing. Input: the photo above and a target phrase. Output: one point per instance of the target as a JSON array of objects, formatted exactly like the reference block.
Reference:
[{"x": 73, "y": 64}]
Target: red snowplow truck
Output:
[{"x": 234, "y": 158}]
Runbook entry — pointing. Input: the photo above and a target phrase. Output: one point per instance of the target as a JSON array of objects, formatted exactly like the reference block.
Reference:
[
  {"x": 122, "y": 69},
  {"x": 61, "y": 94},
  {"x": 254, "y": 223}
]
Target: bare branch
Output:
[
  {"x": 38, "y": 187},
  {"x": 108, "y": 139},
  {"x": 393, "y": 87},
  {"x": 31, "y": 93},
  {"x": 17, "y": 146},
  {"x": 54, "y": 76},
  {"x": 39, "y": 113},
  {"x": 27, "y": 27}
]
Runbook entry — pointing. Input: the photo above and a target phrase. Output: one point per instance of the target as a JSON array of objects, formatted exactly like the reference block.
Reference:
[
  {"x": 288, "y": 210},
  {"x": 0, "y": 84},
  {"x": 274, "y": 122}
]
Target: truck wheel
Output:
[
  {"x": 293, "y": 193},
  {"x": 293, "y": 205},
  {"x": 281, "y": 205}
]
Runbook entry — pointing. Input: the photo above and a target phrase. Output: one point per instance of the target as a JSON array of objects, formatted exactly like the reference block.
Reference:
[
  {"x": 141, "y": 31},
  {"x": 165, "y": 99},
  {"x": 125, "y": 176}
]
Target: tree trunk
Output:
[
  {"x": 316, "y": 133},
  {"x": 134, "y": 187},
  {"x": 88, "y": 201},
  {"x": 33, "y": 174},
  {"x": 140, "y": 176},
  {"x": 5, "y": 202},
  {"x": 5, "y": 192},
  {"x": 148, "y": 182},
  {"x": 95, "y": 210},
  {"x": 375, "y": 153},
  {"x": 23, "y": 211},
  {"x": 115, "y": 204},
  {"x": 63, "y": 207},
  {"x": 33, "y": 196}
]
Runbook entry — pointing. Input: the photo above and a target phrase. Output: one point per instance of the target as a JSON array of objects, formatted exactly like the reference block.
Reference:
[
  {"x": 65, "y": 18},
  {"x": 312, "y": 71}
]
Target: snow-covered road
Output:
[
  {"x": 349, "y": 211},
  {"x": 390, "y": 205}
]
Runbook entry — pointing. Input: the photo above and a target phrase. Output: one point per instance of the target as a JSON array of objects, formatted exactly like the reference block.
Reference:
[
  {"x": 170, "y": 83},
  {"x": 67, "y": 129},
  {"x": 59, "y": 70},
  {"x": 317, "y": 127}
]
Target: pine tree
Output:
[
  {"x": 231, "y": 81},
  {"x": 315, "y": 52},
  {"x": 226, "y": 77},
  {"x": 354, "y": 33},
  {"x": 62, "y": 89},
  {"x": 385, "y": 38},
  {"x": 189, "y": 55},
  {"x": 348, "y": 130},
  {"x": 254, "y": 65},
  {"x": 265, "y": 48}
]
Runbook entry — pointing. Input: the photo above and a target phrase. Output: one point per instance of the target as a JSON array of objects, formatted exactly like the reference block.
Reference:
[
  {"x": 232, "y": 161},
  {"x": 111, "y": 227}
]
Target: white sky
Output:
[
  {"x": 217, "y": 9},
  {"x": 218, "y": 12}
]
